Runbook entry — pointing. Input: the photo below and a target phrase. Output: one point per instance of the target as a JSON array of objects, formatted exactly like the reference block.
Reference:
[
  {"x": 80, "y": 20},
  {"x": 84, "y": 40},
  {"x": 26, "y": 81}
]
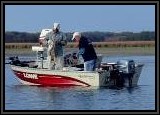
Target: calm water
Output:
[{"x": 142, "y": 97}]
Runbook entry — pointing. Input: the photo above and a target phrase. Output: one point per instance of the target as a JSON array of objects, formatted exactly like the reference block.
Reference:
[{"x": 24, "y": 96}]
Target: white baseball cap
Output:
[
  {"x": 76, "y": 34},
  {"x": 56, "y": 26}
]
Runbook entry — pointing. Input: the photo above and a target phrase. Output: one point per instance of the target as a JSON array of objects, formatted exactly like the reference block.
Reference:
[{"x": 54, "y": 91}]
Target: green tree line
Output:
[{"x": 96, "y": 36}]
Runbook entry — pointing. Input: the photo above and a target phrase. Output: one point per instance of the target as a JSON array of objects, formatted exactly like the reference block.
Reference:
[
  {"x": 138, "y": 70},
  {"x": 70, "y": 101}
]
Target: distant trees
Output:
[
  {"x": 123, "y": 36},
  {"x": 22, "y": 37},
  {"x": 142, "y": 36}
]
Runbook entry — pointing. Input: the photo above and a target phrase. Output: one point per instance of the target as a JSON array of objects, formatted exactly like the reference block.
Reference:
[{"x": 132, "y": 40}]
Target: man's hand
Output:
[{"x": 64, "y": 42}]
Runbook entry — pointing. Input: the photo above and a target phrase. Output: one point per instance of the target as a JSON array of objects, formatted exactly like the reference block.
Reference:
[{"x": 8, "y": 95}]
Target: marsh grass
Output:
[{"x": 107, "y": 48}]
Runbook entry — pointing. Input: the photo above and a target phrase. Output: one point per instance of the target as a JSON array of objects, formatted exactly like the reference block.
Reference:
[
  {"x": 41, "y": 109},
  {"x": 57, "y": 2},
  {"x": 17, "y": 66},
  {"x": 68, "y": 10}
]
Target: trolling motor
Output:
[{"x": 15, "y": 61}]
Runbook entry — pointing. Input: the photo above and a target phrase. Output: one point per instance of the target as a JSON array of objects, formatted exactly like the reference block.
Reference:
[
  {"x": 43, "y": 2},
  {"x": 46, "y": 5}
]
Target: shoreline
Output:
[{"x": 103, "y": 51}]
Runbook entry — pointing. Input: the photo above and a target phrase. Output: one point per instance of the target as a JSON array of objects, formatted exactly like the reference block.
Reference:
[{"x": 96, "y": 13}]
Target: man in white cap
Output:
[
  {"x": 56, "y": 42},
  {"x": 86, "y": 50}
]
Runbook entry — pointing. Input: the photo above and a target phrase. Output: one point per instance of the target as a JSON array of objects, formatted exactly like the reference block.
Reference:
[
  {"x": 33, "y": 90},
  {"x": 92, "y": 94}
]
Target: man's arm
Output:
[
  {"x": 64, "y": 39},
  {"x": 80, "y": 52}
]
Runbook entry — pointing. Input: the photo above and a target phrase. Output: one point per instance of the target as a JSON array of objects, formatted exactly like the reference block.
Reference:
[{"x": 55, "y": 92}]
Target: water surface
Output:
[{"x": 142, "y": 97}]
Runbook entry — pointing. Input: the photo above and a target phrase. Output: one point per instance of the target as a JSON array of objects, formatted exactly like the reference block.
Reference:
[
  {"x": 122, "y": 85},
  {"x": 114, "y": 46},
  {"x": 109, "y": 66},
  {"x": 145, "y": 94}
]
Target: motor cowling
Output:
[
  {"x": 126, "y": 66},
  {"x": 42, "y": 36}
]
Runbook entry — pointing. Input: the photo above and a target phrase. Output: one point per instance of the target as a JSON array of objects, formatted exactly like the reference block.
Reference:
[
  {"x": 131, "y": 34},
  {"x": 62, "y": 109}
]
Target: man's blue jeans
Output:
[{"x": 90, "y": 65}]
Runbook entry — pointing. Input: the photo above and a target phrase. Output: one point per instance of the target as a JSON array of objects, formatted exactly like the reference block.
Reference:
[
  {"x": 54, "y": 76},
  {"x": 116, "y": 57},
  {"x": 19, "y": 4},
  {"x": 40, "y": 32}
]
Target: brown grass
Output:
[{"x": 95, "y": 44}]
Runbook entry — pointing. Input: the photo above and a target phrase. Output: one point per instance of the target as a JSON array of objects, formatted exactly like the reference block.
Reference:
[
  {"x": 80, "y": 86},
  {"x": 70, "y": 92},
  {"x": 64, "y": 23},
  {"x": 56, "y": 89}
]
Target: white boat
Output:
[
  {"x": 123, "y": 73},
  {"x": 72, "y": 76}
]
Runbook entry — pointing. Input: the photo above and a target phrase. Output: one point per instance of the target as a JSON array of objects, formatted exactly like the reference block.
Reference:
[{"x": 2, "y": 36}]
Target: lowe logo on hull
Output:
[{"x": 30, "y": 75}]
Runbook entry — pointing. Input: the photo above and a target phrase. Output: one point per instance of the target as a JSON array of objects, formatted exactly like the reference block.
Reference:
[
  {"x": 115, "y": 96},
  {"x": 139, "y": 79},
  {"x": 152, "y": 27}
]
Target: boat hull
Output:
[
  {"x": 31, "y": 76},
  {"x": 47, "y": 80},
  {"x": 45, "y": 77}
]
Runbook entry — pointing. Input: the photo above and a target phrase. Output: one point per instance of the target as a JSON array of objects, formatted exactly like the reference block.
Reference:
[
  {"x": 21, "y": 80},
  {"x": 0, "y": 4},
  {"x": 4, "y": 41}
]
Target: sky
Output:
[{"x": 82, "y": 18}]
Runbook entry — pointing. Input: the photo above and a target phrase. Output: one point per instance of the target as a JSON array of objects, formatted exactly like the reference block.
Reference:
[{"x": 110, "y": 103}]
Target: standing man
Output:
[
  {"x": 86, "y": 50},
  {"x": 56, "y": 41}
]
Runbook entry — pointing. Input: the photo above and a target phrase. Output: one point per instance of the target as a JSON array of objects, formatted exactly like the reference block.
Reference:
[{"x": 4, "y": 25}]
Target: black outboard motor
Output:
[
  {"x": 126, "y": 66},
  {"x": 127, "y": 69}
]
